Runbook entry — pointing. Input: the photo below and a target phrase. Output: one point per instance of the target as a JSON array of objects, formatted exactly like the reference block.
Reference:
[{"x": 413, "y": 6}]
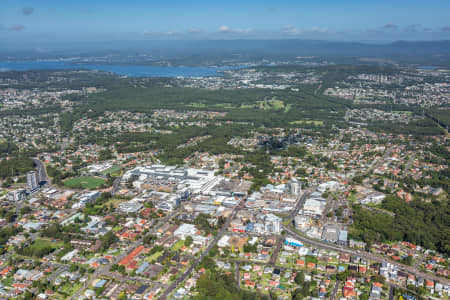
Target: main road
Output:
[
  {"x": 185, "y": 275},
  {"x": 363, "y": 254},
  {"x": 40, "y": 168},
  {"x": 320, "y": 244}
]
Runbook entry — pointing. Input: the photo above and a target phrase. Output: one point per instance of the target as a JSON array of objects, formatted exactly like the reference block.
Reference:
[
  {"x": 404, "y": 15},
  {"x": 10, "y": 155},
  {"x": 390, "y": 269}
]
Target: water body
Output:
[
  {"x": 428, "y": 68},
  {"x": 123, "y": 70}
]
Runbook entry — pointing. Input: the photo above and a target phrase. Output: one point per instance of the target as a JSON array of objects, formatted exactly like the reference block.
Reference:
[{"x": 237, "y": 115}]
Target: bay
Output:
[{"x": 123, "y": 70}]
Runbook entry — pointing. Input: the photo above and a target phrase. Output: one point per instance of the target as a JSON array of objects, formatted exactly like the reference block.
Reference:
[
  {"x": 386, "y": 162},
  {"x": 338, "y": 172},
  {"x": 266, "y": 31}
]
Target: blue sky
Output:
[{"x": 378, "y": 20}]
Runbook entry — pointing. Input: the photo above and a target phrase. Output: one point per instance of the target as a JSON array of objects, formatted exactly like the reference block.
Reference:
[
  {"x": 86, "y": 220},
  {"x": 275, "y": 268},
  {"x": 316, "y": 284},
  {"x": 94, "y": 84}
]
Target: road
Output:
[
  {"x": 116, "y": 185},
  {"x": 185, "y": 275},
  {"x": 40, "y": 168},
  {"x": 300, "y": 202},
  {"x": 58, "y": 272},
  {"x": 273, "y": 258},
  {"x": 363, "y": 254},
  {"x": 119, "y": 277},
  {"x": 335, "y": 289},
  {"x": 105, "y": 270},
  {"x": 391, "y": 292},
  {"x": 236, "y": 273}
]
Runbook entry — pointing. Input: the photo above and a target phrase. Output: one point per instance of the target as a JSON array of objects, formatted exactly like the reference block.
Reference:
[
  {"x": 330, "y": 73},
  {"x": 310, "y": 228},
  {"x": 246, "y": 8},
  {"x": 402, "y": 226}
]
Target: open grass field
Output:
[
  {"x": 43, "y": 243},
  {"x": 405, "y": 112},
  {"x": 317, "y": 123},
  {"x": 113, "y": 170},
  {"x": 272, "y": 104},
  {"x": 84, "y": 182}
]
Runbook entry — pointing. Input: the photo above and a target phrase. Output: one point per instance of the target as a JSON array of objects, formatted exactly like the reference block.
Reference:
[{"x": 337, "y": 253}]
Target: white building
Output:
[
  {"x": 69, "y": 256},
  {"x": 272, "y": 223},
  {"x": 185, "y": 230},
  {"x": 224, "y": 241},
  {"x": 17, "y": 195},
  {"x": 314, "y": 207},
  {"x": 32, "y": 180},
  {"x": 302, "y": 222}
]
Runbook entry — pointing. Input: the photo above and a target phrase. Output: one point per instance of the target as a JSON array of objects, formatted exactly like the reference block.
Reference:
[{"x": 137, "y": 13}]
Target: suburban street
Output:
[{"x": 105, "y": 270}]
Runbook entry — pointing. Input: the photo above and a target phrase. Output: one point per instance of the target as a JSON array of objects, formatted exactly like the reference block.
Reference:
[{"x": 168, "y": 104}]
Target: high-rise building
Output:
[
  {"x": 17, "y": 195},
  {"x": 32, "y": 180}
]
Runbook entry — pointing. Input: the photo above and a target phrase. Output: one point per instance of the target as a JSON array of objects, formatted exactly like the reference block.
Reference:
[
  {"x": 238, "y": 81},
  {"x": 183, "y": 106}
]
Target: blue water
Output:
[
  {"x": 428, "y": 68},
  {"x": 124, "y": 70}
]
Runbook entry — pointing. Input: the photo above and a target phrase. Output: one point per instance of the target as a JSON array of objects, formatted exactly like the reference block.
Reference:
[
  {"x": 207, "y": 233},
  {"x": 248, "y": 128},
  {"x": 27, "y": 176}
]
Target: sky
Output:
[{"x": 346, "y": 20}]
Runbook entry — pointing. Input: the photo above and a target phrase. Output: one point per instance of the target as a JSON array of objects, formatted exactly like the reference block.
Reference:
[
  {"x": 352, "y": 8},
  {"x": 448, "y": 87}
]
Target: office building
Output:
[{"x": 32, "y": 180}]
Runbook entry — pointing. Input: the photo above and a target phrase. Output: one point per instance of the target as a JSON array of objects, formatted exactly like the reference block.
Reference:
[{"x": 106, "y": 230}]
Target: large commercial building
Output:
[
  {"x": 314, "y": 207},
  {"x": 198, "y": 181}
]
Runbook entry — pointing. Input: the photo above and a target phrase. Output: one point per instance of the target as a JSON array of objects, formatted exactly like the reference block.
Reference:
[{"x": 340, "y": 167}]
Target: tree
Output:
[
  {"x": 73, "y": 268},
  {"x": 300, "y": 278},
  {"x": 188, "y": 241},
  {"x": 122, "y": 296},
  {"x": 364, "y": 296}
]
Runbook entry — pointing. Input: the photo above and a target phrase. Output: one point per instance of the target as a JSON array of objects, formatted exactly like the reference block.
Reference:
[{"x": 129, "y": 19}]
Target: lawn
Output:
[
  {"x": 40, "y": 246},
  {"x": 154, "y": 256},
  {"x": 84, "y": 182},
  {"x": 69, "y": 289},
  {"x": 178, "y": 245},
  {"x": 114, "y": 170},
  {"x": 272, "y": 104},
  {"x": 43, "y": 243},
  {"x": 286, "y": 222},
  {"x": 406, "y": 112},
  {"x": 8, "y": 281}
]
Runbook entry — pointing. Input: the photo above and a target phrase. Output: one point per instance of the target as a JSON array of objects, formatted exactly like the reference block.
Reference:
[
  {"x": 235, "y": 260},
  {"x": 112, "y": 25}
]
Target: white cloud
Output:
[
  {"x": 227, "y": 30},
  {"x": 292, "y": 30},
  {"x": 194, "y": 30}
]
